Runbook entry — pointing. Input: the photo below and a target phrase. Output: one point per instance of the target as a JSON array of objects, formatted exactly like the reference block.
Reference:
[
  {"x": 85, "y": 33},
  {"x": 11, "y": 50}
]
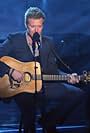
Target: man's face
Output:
[{"x": 35, "y": 25}]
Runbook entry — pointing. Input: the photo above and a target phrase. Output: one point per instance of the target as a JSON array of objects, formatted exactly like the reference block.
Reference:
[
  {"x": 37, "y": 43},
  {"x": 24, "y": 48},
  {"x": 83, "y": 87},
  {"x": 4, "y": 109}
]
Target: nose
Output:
[{"x": 36, "y": 29}]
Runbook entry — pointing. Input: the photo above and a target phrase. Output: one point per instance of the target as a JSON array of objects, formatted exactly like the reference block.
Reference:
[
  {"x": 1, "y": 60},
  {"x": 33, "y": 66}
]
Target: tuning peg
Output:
[{"x": 86, "y": 76}]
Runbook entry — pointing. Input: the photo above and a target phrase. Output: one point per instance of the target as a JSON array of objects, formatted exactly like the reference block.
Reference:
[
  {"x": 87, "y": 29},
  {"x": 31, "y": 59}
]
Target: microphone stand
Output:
[
  {"x": 35, "y": 67},
  {"x": 35, "y": 76},
  {"x": 35, "y": 39}
]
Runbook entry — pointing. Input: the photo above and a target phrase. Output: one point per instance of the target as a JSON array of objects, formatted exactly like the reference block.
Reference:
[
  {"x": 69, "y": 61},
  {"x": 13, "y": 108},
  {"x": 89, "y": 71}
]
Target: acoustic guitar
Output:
[{"x": 9, "y": 87}]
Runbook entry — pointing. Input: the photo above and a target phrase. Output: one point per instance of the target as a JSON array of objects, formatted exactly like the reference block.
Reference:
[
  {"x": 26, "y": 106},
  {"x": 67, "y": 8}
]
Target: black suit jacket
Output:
[{"x": 16, "y": 46}]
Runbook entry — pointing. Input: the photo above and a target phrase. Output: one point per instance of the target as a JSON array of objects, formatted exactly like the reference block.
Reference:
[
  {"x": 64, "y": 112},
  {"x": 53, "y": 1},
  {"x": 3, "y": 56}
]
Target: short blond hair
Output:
[{"x": 33, "y": 12}]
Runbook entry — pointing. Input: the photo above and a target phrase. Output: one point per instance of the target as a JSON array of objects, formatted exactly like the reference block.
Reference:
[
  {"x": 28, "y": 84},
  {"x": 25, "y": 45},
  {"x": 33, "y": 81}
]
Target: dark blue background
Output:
[{"x": 63, "y": 16}]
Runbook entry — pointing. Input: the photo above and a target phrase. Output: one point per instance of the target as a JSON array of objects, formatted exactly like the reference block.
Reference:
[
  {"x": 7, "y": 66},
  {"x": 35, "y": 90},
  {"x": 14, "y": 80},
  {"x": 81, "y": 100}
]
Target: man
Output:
[{"x": 20, "y": 46}]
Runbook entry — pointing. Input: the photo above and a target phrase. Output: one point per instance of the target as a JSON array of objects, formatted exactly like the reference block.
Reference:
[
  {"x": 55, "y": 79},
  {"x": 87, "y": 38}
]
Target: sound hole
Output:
[{"x": 27, "y": 77}]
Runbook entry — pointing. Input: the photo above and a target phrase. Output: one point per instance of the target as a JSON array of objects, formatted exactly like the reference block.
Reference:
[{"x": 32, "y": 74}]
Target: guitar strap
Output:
[
  {"x": 56, "y": 55},
  {"x": 62, "y": 62}
]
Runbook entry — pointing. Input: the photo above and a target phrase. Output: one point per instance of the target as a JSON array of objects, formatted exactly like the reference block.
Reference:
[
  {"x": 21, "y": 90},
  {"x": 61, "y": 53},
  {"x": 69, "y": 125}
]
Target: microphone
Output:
[
  {"x": 36, "y": 37},
  {"x": 36, "y": 40}
]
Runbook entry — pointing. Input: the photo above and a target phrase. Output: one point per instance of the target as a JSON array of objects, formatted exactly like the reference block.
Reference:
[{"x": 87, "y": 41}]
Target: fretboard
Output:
[
  {"x": 52, "y": 77},
  {"x": 55, "y": 77}
]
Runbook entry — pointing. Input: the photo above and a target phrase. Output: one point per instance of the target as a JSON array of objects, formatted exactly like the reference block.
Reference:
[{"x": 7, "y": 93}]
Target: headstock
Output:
[{"x": 85, "y": 76}]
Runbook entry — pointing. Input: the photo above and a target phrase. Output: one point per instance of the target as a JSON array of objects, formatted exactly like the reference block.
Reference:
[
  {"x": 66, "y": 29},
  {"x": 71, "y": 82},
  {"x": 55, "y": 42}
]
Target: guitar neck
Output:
[
  {"x": 52, "y": 77},
  {"x": 62, "y": 77},
  {"x": 55, "y": 77}
]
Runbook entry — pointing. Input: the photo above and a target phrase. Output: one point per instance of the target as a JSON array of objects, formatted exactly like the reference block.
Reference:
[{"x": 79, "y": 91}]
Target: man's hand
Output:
[
  {"x": 16, "y": 75},
  {"x": 73, "y": 78}
]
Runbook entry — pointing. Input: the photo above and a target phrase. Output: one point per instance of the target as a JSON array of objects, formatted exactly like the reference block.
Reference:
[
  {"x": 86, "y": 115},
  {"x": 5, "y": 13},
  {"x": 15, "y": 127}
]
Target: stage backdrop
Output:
[{"x": 63, "y": 16}]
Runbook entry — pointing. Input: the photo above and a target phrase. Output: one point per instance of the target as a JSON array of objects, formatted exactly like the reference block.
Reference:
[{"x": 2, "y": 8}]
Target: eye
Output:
[{"x": 32, "y": 26}]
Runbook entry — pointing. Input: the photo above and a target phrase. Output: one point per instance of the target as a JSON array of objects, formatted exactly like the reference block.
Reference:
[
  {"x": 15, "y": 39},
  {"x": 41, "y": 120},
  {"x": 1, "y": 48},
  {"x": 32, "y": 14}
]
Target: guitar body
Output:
[{"x": 9, "y": 87}]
